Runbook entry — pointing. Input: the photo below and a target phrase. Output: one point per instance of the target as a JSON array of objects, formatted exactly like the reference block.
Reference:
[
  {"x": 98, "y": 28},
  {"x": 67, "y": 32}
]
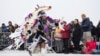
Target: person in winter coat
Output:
[
  {"x": 77, "y": 35},
  {"x": 93, "y": 31},
  {"x": 90, "y": 46},
  {"x": 11, "y": 27},
  {"x": 86, "y": 27},
  {"x": 16, "y": 26},
  {"x": 98, "y": 31},
  {"x": 4, "y": 28},
  {"x": 65, "y": 36},
  {"x": 58, "y": 39}
]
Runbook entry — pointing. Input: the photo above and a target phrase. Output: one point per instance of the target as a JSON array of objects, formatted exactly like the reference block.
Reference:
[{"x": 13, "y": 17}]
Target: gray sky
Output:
[{"x": 17, "y": 10}]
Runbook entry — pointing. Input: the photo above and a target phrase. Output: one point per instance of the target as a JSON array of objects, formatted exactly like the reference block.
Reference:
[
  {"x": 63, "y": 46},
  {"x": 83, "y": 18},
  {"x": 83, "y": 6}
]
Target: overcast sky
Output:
[{"x": 17, "y": 10}]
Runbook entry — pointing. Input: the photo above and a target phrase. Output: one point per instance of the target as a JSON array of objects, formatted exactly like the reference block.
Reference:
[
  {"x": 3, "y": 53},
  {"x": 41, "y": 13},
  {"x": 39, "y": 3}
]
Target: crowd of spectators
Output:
[
  {"x": 9, "y": 28},
  {"x": 5, "y": 31},
  {"x": 74, "y": 32}
]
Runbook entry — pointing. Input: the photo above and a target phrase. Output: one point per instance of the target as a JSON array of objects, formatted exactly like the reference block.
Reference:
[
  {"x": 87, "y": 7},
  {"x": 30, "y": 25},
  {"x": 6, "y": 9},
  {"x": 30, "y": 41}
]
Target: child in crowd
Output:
[{"x": 90, "y": 46}]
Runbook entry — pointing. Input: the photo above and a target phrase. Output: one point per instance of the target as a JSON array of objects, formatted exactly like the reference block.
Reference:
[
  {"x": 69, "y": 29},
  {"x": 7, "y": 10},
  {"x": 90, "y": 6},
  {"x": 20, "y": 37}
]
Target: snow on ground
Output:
[{"x": 25, "y": 53}]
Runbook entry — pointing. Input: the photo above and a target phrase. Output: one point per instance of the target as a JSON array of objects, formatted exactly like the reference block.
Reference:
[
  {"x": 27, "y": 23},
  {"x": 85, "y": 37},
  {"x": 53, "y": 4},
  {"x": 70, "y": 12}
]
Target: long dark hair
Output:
[{"x": 77, "y": 21}]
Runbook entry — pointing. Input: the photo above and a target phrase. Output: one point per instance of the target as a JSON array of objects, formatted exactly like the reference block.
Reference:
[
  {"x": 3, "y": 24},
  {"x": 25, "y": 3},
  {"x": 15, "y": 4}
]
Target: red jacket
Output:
[
  {"x": 66, "y": 32},
  {"x": 91, "y": 45}
]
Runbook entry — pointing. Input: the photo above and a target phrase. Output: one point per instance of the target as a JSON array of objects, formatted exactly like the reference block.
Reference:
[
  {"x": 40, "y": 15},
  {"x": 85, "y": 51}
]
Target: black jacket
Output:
[
  {"x": 98, "y": 29},
  {"x": 93, "y": 30},
  {"x": 77, "y": 32}
]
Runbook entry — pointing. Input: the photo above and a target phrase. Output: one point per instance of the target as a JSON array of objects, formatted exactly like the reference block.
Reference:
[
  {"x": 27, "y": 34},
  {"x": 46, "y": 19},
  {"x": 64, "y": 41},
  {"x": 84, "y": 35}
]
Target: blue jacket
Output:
[
  {"x": 4, "y": 29},
  {"x": 86, "y": 25}
]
